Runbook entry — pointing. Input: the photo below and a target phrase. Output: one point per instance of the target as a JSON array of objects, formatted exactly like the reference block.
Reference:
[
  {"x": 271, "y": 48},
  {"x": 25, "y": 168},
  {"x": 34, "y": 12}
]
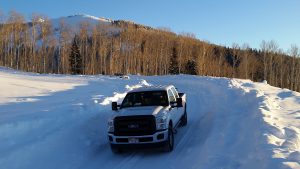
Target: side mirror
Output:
[
  {"x": 114, "y": 106},
  {"x": 173, "y": 104},
  {"x": 179, "y": 102}
]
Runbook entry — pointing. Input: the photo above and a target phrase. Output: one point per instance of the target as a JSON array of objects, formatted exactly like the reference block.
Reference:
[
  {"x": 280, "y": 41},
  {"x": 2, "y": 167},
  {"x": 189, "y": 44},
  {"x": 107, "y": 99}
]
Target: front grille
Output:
[{"x": 134, "y": 125}]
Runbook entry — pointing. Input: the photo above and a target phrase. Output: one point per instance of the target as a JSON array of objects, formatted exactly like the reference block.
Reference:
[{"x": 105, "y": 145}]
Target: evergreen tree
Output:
[
  {"x": 191, "y": 67},
  {"x": 75, "y": 58},
  {"x": 174, "y": 68}
]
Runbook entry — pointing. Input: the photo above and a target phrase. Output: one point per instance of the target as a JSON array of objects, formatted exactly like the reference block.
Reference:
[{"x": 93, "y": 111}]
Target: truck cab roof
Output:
[{"x": 152, "y": 88}]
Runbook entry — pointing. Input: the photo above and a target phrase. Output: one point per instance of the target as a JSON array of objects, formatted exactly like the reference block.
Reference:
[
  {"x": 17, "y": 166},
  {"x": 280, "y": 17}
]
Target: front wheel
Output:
[{"x": 169, "y": 145}]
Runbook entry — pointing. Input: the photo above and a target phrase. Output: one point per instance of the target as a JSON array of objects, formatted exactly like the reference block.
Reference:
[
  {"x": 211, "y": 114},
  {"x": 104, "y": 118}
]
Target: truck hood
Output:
[{"x": 145, "y": 110}]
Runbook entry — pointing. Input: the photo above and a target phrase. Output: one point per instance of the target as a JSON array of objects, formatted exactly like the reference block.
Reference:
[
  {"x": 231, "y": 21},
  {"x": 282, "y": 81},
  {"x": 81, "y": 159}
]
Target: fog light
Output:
[{"x": 160, "y": 136}]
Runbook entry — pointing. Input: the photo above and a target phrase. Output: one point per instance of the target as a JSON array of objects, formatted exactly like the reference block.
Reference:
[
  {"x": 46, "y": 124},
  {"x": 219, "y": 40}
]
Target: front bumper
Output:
[{"x": 157, "y": 137}]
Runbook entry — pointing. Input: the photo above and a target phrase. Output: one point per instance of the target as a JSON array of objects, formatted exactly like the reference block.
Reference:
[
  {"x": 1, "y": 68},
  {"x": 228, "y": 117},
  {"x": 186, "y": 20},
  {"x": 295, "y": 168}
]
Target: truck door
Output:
[
  {"x": 179, "y": 109},
  {"x": 173, "y": 110}
]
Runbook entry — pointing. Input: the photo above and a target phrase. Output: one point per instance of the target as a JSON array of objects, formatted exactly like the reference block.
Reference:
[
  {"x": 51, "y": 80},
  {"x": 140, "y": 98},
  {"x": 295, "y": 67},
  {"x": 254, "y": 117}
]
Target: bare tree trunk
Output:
[
  {"x": 294, "y": 52},
  {"x": 264, "y": 48}
]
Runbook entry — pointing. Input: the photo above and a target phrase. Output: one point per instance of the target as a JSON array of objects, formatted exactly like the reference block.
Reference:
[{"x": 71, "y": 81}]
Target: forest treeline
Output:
[{"x": 123, "y": 47}]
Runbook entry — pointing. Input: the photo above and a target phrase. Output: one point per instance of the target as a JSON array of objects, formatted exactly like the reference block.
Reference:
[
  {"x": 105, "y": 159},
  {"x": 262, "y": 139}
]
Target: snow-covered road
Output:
[{"x": 56, "y": 121}]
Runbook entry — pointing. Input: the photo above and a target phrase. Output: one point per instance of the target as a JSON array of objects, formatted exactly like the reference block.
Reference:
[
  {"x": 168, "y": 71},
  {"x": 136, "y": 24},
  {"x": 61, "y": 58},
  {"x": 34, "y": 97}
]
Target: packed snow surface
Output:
[{"x": 60, "y": 121}]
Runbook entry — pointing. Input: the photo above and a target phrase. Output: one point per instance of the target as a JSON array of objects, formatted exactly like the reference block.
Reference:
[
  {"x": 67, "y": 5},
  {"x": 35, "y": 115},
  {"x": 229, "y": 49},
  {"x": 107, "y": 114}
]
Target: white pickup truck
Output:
[{"x": 147, "y": 116}]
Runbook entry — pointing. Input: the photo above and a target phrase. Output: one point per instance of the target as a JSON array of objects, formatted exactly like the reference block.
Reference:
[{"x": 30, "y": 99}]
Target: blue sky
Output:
[{"x": 218, "y": 21}]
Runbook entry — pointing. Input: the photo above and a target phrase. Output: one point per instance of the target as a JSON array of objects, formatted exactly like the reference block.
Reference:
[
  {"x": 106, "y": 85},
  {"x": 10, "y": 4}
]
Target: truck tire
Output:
[
  {"x": 115, "y": 149},
  {"x": 169, "y": 145},
  {"x": 183, "y": 120}
]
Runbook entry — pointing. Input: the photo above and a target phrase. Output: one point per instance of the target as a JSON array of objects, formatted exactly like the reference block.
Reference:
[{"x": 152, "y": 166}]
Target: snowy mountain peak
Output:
[
  {"x": 80, "y": 15},
  {"x": 74, "y": 21},
  {"x": 41, "y": 20}
]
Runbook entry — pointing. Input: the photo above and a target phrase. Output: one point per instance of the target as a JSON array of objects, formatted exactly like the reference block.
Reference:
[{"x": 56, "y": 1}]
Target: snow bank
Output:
[
  {"x": 118, "y": 97},
  {"x": 280, "y": 110}
]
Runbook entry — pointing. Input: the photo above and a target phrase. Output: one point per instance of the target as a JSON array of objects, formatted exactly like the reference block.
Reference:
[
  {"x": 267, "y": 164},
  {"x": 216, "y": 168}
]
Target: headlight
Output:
[
  {"x": 111, "y": 125},
  {"x": 161, "y": 122}
]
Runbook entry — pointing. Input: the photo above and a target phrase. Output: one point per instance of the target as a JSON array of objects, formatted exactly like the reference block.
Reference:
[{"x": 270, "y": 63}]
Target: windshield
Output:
[{"x": 149, "y": 98}]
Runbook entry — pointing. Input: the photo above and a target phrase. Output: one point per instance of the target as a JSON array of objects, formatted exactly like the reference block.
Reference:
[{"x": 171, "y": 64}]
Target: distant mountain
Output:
[{"x": 75, "y": 22}]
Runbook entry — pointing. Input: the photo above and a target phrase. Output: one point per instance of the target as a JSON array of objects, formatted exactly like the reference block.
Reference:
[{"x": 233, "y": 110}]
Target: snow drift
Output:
[{"x": 59, "y": 121}]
